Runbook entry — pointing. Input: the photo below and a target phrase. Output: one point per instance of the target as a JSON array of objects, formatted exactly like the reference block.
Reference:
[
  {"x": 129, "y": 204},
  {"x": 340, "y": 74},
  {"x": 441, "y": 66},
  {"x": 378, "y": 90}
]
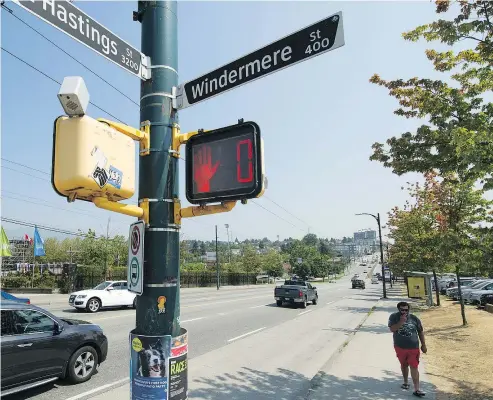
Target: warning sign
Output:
[{"x": 135, "y": 268}]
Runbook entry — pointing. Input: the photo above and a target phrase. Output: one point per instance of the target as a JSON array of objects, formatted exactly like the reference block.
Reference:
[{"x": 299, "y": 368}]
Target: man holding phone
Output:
[{"x": 408, "y": 332}]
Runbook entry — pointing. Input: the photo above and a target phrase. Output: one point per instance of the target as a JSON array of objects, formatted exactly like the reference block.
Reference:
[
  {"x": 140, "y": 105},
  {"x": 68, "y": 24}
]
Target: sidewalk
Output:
[
  {"x": 367, "y": 368},
  {"x": 360, "y": 366}
]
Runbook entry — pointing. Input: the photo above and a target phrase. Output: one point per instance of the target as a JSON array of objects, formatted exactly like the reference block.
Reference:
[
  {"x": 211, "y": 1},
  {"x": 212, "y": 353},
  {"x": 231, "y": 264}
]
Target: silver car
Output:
[
  {"x": 466, "y": 293},
  {"x": 465, "y": 284}
]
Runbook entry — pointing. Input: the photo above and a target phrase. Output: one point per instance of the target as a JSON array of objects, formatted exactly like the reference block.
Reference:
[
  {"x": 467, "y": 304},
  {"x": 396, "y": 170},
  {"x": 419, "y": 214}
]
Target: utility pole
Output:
[
  {"x": 158, "y": 308},
  {"x": 217, "y": 262},
  {"x": 106, "y": 249},
  {"x": 229, "y": 246},
  {"x": 377, "y": 218}
]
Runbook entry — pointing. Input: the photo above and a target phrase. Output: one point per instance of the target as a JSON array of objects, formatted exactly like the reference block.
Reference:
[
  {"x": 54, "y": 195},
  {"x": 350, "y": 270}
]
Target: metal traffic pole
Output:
[{"x": 158, "y": 308}]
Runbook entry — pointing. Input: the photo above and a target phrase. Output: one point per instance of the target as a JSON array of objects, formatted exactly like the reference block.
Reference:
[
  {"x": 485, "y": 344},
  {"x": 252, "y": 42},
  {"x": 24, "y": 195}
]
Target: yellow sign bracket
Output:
[
  {"x": 140, "y": 135},
  {"x": 197, "y": 211},
  {"x": 121, "y": 208},
  {"x": 180, "y": 138}
]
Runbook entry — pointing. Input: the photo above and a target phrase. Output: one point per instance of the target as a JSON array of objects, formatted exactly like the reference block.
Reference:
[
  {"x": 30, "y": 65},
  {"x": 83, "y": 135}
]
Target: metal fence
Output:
[{"x": 205, "y": 279}]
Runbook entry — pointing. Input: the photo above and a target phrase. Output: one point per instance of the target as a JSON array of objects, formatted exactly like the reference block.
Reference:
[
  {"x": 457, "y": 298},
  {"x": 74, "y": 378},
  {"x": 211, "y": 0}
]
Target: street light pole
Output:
[{"x": 377, "y": 218}]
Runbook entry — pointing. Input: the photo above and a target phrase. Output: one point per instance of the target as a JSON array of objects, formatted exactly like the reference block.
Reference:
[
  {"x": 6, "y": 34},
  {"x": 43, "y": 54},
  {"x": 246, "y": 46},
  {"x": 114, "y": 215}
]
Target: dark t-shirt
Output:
[{"x": 406, "y": 337}]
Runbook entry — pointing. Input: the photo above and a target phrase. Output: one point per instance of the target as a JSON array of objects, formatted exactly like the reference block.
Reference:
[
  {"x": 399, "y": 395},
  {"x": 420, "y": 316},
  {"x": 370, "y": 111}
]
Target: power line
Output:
[
  {"x": 273, "y": 213},
  {"x": 73, "y": 58},
  {"x": 53, "y": 229},
  {"x": 25, "y": 173},
  {"x": 54, "y": 80},
  {"x": 25, "y": 166},
  {"x": 290, "y": 213}
]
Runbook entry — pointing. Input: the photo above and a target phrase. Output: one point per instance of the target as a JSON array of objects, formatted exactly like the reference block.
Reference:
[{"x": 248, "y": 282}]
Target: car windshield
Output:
[
  {"x": 477, "y": 284},
  {"x": 102, "y": 285}
]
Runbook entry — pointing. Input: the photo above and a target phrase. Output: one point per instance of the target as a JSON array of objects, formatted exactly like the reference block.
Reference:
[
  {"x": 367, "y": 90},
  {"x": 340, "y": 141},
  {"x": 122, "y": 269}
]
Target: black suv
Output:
[
  {"x": 358, "y": 283},
  {"x": 38, "y": 348}
]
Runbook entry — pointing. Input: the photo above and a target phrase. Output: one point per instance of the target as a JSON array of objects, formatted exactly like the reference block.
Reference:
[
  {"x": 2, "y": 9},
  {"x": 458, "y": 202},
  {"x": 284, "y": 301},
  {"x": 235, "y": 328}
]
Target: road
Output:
[{"x": 214, "y": 319}]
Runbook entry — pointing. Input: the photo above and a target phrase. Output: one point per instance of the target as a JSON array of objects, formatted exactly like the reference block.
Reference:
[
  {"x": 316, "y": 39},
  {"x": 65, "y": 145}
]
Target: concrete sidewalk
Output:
[
  {"x": 367, "y": 368},
  {"x": 361, "y": 361}
]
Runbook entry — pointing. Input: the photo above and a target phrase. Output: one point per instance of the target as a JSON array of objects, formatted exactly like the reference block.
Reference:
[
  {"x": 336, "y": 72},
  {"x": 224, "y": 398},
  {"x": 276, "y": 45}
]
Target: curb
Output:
[{"x": 316, "y": 380}]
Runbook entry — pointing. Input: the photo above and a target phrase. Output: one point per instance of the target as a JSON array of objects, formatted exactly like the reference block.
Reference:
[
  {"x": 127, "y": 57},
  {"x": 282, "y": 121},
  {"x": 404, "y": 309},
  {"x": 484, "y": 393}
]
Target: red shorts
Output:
[{"x": 407, "y": 357}]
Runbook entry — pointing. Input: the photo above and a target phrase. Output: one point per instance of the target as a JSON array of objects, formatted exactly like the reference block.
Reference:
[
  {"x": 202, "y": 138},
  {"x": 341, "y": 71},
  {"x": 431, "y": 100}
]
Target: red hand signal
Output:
[{"x": 203, "y": 170}]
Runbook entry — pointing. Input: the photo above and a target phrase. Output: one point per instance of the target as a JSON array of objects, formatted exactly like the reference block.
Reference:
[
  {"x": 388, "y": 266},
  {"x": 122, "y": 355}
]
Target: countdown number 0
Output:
[{"x": 249, "y": 178}]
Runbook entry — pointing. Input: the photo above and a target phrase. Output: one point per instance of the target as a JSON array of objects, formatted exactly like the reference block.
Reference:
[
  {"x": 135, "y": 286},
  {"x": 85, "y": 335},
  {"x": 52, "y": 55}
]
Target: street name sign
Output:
[
  {"x": 63, "y": 15},
  {"x": 316, "y": 39},
  {"x": 135, "y": 270}
]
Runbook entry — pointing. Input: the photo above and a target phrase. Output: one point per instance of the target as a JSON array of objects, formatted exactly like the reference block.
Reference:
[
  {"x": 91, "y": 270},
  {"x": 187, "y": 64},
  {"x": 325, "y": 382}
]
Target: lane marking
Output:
[
  {"x": 222, "y": 314},
  {"x": 193, "y": 319},
  {"x": 262, "y": 305},
  {"x": 98, "y": 389},
  {"x": 246, "y": 334},
  {"x": 304, "y": 312}
]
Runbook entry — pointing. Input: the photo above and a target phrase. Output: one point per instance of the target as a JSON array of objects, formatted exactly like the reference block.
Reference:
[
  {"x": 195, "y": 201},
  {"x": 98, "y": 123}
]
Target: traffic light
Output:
[
  {"x": 91, "y": 159},
  {"x": 225, "y": 164}
]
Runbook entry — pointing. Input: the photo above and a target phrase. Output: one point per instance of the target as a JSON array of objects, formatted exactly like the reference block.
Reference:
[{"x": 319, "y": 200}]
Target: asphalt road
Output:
[{"x": 214, "y": 319}]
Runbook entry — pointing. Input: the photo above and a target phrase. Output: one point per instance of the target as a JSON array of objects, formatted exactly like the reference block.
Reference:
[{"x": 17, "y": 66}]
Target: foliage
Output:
[
  {"x": 458, "y": 137},
  {"x": 272, "y": 264}
]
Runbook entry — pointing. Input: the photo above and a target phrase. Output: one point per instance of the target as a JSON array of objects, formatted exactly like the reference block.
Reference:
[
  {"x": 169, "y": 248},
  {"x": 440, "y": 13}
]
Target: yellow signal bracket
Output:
[
  {"x": 141, "y": 135},
  {"x": 197, "y": 211},
  {"x": 179, "y": 138},
  {"x": 144, "y": 204},
  {"x": 127, "y": 209}
]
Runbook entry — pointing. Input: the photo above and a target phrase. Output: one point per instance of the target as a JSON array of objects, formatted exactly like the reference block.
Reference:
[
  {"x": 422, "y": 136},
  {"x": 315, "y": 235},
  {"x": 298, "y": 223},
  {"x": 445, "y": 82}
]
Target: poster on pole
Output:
[{"x": 135, "y": 269}]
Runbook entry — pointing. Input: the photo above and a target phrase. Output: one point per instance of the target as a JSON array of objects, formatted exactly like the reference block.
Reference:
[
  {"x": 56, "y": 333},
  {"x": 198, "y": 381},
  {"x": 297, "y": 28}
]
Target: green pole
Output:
[{"x": 158, "y": 172}]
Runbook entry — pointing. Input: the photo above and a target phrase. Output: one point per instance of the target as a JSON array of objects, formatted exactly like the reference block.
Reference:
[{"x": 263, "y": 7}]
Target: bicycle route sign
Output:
[{"x": 135, "y": 269}]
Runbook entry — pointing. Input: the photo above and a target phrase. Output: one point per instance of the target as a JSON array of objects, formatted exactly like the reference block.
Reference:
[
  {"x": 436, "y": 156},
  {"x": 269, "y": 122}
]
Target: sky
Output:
[{"x": 318, "y": 118}]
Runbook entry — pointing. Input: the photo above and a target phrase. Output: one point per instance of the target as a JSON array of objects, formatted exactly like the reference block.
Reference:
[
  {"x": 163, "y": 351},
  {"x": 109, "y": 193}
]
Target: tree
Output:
[
  {"x": 251, "y": 262},
  {"x": 272, "y": 264},
  {"x": 440, "y": 230},
  {"x": 310, "y": 239},
  {"x": 459, "y": 136}
]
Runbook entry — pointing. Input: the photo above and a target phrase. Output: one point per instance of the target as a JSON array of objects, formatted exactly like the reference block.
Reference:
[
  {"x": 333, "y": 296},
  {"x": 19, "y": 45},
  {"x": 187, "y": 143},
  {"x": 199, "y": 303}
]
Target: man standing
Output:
[{"x": 408, "y": 332}]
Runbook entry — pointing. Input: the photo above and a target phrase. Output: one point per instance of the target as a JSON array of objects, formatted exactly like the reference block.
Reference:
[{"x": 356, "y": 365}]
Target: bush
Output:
[{"x": 16, "y": 281}]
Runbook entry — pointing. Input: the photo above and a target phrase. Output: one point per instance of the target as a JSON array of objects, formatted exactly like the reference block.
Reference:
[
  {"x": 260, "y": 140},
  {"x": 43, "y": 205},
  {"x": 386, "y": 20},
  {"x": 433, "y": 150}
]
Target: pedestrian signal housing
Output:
[
  {"x": 91, "y": 159},
  {"x": 225, "y": 164}
]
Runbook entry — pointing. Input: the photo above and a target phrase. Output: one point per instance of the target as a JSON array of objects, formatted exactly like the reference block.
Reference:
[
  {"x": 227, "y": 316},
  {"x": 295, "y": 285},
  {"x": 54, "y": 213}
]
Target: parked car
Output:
[
  {"x": 358, "y": 283},
  {"x": 478, "y": 285},
  {"x": 11, "y": 297},
  {"x": 296, "y": 292},
  {"x": 106, "y": 294},
  {"x": 39, "y": 348},
  {"x": 481, "y": 289},
  {"x": 374, "y": 279},
  {"x": 453, "y": 292},
  {"x": 488, "y": 299}
]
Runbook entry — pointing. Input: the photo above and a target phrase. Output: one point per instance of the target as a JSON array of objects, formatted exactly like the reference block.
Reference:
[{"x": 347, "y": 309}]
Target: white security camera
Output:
[{"x": 73, "y": 96}]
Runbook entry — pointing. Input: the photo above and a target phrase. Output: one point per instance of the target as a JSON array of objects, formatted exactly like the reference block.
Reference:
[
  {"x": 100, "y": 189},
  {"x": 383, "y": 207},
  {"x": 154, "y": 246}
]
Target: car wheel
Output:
[
  {"x": 93, "y": 305},
  {"x": 315, "y": 300},
  {"x": 134, "y": 305},
  {"x": 82, "y": 364},
  {"x": 279, "y": 303}
]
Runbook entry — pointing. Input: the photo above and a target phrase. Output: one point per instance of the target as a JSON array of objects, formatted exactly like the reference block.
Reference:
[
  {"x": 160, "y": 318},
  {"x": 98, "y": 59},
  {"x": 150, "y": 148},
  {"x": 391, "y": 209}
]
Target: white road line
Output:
[
  {"x": 305, "y": 312},
  {"x": 114, "y": 316},
  {"x": 245, "y": 334},
  {"x": 227, "y": 301},
  {"x": 222, "y": 314},
  {"x": 262, "y": 305},
  {"x": 98, "y": 389},
  {"x": 193, "y": 319}
]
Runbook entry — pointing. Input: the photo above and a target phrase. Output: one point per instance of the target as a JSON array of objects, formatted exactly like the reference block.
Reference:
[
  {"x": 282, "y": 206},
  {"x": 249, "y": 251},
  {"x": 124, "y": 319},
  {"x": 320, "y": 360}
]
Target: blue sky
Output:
[{"x": 318, "y": 118}]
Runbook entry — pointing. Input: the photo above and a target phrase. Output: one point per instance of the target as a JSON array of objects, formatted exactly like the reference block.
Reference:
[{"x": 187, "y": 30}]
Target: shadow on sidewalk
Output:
[
  {"x": 251, "y": 384},
  {"x": 327, "y": 386}
]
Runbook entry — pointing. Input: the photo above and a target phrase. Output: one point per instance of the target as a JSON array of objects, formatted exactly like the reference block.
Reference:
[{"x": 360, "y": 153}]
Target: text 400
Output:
[
  {"x": 130, "y": 63},
  {"x": 316, "y": 46}
]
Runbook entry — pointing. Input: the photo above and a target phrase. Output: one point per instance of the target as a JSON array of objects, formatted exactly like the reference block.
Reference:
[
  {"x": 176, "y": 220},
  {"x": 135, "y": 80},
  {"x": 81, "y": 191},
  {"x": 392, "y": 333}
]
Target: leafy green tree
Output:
[
  {"x": 272, "y": 264},
  {"x": 251, "y": 262},
  {"x": 310, "y": 239},
  {"x": 458, "y": 137}
]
